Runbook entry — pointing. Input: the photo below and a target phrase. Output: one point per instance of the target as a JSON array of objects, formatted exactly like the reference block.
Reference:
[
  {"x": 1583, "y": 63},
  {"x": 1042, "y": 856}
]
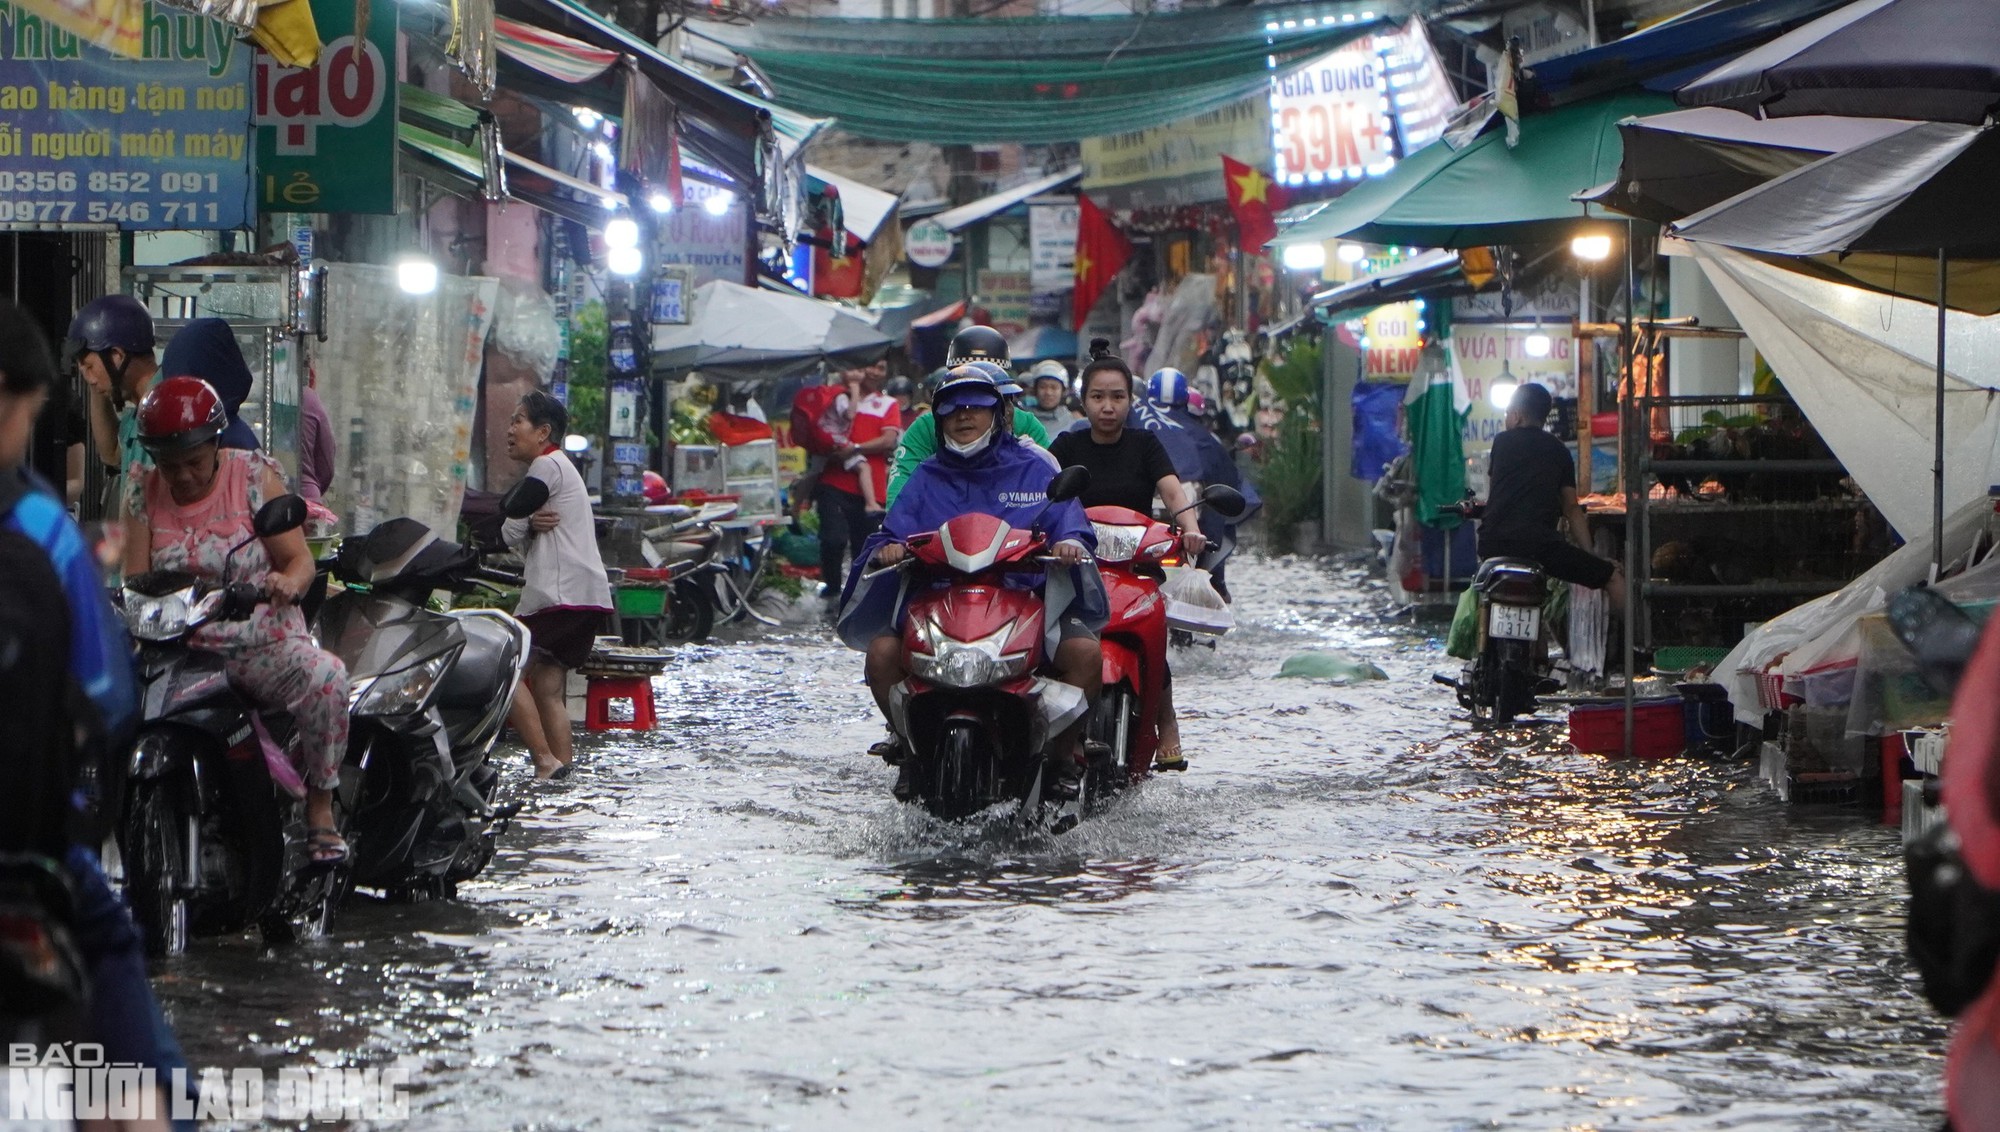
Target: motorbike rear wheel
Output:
[
  {"x": 156, "y": 867},
  {"x": 690, "y": 614},
  {"x": 1513, "y": 683}
]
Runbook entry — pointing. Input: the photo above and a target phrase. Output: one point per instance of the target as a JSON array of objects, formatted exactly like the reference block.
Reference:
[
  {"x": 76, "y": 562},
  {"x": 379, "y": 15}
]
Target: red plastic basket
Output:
[{"x": 1659, "y": 728}]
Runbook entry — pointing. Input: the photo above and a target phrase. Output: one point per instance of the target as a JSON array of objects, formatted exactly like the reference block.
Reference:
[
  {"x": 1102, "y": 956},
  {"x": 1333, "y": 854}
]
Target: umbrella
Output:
[
  {"x": 1920, "y": 189},
  {"x": 1932, "y": 60},
  {"x": 748, "y": 334}
]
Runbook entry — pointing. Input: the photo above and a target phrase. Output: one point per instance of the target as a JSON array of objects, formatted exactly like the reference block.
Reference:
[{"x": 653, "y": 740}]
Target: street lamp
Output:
[
  {"x": 624, "y": 261},
  {"x": 718, "y": 202},
  {"x": 1591, "y": 247},
  {"x": 1352, "y": 253},
  {"x": 1305, "y": 257}
]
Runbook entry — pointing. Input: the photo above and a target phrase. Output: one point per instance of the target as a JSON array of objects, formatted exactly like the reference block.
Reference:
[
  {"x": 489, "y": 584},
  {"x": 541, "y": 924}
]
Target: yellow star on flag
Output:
[
  {"x": 1252, "y": 185},
  {"x": 1083, "y": 265}
]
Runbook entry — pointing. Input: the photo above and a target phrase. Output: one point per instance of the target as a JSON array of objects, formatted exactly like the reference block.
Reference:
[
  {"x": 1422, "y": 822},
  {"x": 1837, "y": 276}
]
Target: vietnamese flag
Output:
[
  {"x": 1255, "y": 199},
  {"x": 1101, "y": 252}
]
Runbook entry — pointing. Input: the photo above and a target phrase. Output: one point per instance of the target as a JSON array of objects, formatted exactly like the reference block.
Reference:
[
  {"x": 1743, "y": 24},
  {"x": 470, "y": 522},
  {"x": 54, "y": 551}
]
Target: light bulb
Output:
[
  {"x": 1536, "y": 345},
  {"x": 1501, "y": 395},
  {"x": 1305, "y": 257},
  {"x": 718, "y": 203},
  {"x": 624, "y": 261},
  {"x": 576, "y": 442},
  {"x": 1590, "y": 247},
  {"x": 661, "y": 202},
  {"x": 417, "y": 275},
  {"x": 622, "y": 232},
  {"x": 1352, "y": 253}
]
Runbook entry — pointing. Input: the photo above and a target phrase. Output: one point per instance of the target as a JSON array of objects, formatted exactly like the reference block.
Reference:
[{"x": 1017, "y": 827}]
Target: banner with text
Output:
[
  {"x": 91, "y": 139},
  {"x": 1330, "y": 118},
  {"x": 1478, "y": 350},
  {"x": 711, "y": 244},
  {"x": 1179, "y": 163},
  {"x": 326, "y": 134},
  {"x": 1052, "y": 247}
]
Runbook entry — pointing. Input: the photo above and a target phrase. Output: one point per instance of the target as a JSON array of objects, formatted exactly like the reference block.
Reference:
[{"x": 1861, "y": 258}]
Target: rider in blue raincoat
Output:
[
  {"x": 981, "y": 467},
  {"x": 1198, "y": 455}
]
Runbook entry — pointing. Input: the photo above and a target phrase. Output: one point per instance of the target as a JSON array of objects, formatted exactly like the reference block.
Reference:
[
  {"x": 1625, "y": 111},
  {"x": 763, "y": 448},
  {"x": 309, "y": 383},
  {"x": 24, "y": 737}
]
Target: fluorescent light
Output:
[
  {"x": 624, "y": 261},
  {"x": 622, "y": 232},
  {"x": 1305, "y": 257},
  {"x": 1501, "y": 395},
  {"x": 417, "y": 275},
  {"x": 1590, "y": 247},
  {"x": 661, "y": 202},
  {"x": 1352, "y": 253}
]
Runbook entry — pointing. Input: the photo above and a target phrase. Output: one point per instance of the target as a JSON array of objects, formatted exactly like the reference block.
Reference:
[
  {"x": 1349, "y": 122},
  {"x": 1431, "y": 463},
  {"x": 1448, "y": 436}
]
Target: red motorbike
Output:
[
  {"x": 976, "y": 715},
  {"x": 1131, "y": 550}
]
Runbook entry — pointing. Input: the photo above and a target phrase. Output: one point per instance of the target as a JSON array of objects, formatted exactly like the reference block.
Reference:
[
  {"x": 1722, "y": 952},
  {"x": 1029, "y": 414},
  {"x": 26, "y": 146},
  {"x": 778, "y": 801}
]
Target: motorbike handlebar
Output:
[{"x": 497, "y": 577}]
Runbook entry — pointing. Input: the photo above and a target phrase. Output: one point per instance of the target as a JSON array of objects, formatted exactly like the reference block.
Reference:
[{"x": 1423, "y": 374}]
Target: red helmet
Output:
[
  {"x": 180, "y": 413},
  {"x": 656, "y": 487}
]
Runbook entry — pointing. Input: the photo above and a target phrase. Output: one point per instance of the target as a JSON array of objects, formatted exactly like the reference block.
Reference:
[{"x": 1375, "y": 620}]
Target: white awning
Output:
[
  {"x": 863, "y": 207},
  {"x": 610, "y": 198},
  {"x": 967, "y": 214}
]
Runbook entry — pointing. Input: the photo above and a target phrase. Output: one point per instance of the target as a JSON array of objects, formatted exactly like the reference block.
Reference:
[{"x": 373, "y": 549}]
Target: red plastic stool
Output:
[{"x": 603, "y": 691}]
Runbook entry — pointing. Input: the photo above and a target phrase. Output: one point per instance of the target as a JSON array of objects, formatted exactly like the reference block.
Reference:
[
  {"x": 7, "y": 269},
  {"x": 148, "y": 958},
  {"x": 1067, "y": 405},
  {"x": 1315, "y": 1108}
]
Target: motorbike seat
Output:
[
  {"x": 1494, "y": 571},
  {"x": 468, "y": 683}
]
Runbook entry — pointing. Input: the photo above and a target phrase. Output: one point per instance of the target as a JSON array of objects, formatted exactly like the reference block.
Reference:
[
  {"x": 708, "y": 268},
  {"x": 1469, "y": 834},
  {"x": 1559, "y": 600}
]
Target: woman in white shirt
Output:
[{"x": 566, "y": 595}]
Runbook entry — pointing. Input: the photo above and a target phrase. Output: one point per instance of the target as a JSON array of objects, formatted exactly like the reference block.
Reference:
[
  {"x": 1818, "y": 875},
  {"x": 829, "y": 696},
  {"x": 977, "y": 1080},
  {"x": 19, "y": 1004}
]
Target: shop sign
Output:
[
  {"x": 1052, "y": 247},
  {"x": 89, "y": 139},
  {"x": 1006, "y": 295},
  {"x": 326, "y": 134},
  {"x": 1177, "y": 164},
  {"x": 927, "y": 243},
  {"x": 1392, "y": 341},
  {"x": 1478, "y": 351},
  {"x": 1330, "y": 118},
  {"x": 710, "y": 246}
]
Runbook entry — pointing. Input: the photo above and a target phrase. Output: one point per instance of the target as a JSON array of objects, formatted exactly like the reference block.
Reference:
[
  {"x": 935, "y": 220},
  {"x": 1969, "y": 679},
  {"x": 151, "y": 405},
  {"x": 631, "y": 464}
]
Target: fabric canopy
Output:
[
  {"x": 1920, "y": 189},
  {"x": 1862, "y": 367},
  {"x": 863, "y": 207},
  {"x": 751, "y": 333},
  {"x": 1040, "y": 79},
  {"x": 1932, "y": 60},
  {"x": 968, "y": 214},
  {"x": 1430, "y": 271},
  {"x": 1661, "y": 56},
  {"x": 1488, "y": 193}
]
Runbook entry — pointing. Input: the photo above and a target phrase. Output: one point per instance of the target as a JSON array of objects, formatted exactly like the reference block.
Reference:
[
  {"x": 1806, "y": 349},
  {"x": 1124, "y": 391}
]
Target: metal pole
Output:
[
  {"x": 1937, "y": 463},
  {"x": 1634, "y": 485}
]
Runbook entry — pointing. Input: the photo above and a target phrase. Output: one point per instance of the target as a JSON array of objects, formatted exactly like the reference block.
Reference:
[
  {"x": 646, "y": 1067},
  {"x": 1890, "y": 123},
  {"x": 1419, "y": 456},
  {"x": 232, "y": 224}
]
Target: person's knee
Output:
[{"x": 884, "y": 665}]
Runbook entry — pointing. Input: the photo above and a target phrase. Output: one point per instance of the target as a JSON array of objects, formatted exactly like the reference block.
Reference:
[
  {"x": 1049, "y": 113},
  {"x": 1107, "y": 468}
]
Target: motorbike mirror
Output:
[
  {"x": 524, "y": 498},
  {"x": 282, "y": 515},
  {"x": 1069, "y": 484},
  {"x": 1224, "y": 500}
]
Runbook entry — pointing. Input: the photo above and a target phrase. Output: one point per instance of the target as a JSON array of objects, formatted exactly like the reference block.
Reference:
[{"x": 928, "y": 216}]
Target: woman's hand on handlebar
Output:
[
  {"x": 890, "y": 554},
  {"x": 1192, "y": 544},
  {"x": 281, "y": 589},
  {"x": 1069, "y": 552}
]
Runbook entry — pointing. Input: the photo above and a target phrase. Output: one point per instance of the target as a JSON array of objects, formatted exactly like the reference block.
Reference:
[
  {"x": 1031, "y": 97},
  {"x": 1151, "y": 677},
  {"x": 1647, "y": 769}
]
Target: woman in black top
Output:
[{"x": 1128, "y": 466}]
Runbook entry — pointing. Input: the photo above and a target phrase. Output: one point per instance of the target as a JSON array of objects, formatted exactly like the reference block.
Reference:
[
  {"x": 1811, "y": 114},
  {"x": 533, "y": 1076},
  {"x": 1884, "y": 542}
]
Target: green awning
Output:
[
  {"x": 450, "y": 164},
  {"x": 1487, "y": 193},
  {"x": 1041, "y": 78}
]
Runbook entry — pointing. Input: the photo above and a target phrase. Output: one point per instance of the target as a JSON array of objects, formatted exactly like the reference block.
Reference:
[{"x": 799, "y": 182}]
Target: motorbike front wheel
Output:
[
  {"x": 155, "y": 853},
  {"x": 961, "y": 773},
  {"x": 1111, "y": 724}
]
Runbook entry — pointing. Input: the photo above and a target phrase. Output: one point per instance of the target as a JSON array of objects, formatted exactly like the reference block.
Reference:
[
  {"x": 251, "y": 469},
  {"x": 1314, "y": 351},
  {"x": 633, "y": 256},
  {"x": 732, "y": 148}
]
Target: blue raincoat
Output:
[
  {"x": 206, "y": 348},
  {"x": 1009, "y": 480}
]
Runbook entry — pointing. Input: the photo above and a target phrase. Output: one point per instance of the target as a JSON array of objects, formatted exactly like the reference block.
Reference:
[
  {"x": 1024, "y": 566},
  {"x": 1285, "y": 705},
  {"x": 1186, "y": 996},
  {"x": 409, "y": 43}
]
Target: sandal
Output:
[
  {"x": 329, "y": 849},
  {"x": 1170, "y": 758}
]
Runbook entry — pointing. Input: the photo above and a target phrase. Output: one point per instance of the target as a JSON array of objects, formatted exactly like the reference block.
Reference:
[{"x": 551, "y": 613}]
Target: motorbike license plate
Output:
[{"x": 1514, "y": 622}]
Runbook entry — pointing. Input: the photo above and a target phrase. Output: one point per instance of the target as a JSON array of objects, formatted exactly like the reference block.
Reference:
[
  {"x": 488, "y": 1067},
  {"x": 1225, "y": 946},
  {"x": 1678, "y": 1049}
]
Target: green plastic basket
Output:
[{"x": 642, "y": 601}]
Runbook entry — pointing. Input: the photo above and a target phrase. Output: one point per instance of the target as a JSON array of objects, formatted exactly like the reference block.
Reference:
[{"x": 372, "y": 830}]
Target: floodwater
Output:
[{"x": 1349, "y": 914}]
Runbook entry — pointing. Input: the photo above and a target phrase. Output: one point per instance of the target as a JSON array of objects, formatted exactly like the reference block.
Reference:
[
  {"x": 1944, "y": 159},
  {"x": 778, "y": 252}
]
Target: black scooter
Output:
[
  {"x": 431, "y": 693},
  {"x": 213, "y": 833},
  {"x": 1509, "y": 668}
]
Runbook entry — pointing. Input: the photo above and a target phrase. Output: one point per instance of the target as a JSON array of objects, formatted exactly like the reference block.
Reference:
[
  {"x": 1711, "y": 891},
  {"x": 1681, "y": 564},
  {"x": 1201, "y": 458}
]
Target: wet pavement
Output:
[{"x": 1350, "y": 914}]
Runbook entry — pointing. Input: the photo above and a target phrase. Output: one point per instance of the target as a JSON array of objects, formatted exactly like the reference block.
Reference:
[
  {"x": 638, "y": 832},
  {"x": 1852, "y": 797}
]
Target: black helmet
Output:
[
  {"x": 113, "y": 322},
  {"x": 900, "y": 387},
  {"x": 977, "y": 344}
]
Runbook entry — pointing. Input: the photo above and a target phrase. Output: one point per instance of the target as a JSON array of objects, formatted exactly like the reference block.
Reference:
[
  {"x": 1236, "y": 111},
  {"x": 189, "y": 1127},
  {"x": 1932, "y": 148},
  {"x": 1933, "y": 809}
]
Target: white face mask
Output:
[{"x": 974, "y": 448}]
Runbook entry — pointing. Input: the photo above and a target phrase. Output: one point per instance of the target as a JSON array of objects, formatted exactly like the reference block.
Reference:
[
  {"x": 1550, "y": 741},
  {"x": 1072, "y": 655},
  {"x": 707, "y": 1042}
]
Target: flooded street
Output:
[{"x": 1349, "y": 914}]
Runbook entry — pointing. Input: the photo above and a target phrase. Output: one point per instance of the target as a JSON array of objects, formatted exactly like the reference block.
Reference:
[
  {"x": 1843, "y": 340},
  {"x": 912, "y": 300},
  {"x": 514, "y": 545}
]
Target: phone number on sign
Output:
[
  {"x": 106, "y": 181},
  {"x": 189, "y": 212}
]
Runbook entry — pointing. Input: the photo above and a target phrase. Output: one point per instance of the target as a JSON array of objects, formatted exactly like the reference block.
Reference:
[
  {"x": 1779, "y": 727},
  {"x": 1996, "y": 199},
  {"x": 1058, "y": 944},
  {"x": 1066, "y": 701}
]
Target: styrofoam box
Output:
[{"x": 756, "y": 460}]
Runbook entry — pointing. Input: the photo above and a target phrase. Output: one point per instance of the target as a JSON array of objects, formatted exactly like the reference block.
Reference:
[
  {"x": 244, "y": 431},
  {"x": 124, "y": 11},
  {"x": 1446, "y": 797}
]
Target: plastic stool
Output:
[{"x": 605, "y": 690}]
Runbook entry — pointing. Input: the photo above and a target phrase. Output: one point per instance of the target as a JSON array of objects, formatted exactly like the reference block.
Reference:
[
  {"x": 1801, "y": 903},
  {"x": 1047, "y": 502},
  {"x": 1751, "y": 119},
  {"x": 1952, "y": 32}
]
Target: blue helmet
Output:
[
  {"x": 1167, "y": 386},
  {"x": 974, "y": 383},
  {"x": 1002, "y": 380}
]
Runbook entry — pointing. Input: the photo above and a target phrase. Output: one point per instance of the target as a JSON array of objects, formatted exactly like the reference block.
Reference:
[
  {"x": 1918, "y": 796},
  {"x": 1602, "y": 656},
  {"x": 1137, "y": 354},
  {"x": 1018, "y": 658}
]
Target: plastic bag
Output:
[
  {"x": 1463, "y": 640},
  {"x": 1329, "y": 664},
  {"x": 1193, "y": 604}
]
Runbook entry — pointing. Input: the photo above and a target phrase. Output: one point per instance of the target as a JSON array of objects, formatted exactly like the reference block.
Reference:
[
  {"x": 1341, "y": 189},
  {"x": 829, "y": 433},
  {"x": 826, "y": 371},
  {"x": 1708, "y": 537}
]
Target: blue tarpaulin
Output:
[{"x": 1376, "y": 443}]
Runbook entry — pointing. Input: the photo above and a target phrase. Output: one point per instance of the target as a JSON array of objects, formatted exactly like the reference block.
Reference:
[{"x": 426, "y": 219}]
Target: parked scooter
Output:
[
  {"x": 714, "y": 570},
  {"x": 1131, "y": 547},
  {"x": 1509, "y": 667},
  {"x": 431, "y": 696},
  {"x": 975, "y": 716},
  {"x": 213, "y": 834}
]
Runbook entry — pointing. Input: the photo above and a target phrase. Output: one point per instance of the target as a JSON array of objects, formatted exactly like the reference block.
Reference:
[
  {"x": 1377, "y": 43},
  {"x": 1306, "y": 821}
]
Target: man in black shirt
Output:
[{"x": 1533, "y": 486}]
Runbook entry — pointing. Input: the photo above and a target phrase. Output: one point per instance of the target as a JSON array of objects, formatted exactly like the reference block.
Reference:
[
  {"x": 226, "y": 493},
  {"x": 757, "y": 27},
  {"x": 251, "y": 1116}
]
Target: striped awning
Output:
[{"x": 557, "y": 56}]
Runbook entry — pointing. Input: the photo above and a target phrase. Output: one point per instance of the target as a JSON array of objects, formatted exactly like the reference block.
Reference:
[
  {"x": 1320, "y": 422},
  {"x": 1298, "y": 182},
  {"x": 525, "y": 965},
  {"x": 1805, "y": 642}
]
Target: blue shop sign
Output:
[{"x": 89, "y": 139}]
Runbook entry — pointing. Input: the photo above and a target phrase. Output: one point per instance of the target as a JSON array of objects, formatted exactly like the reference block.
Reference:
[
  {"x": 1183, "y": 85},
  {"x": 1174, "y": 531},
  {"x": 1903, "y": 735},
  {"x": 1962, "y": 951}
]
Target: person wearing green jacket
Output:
[{"x": 920, "y": 440}]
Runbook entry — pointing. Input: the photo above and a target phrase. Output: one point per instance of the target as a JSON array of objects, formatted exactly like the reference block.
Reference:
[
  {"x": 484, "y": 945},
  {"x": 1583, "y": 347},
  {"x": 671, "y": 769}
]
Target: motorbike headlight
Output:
[
  {"x": 165, "y": 617},
  {"x": 397, "y": 693},
  {"x": 969, "y": 664},
  {"x": 1118, "y": 543}
]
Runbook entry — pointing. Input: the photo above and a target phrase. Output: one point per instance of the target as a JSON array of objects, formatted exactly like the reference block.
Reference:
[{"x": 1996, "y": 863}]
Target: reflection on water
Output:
[{"x": 1349, "y": 914}]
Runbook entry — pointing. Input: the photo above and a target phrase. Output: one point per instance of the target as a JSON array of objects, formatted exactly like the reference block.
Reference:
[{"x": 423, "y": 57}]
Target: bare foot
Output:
[{"x": 551, "y": 767}]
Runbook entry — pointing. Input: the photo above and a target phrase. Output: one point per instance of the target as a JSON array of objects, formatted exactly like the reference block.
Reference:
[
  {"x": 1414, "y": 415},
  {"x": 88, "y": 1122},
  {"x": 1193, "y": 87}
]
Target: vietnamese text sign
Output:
[
  {"x": 1478, "y": 352},
  {"x": 1007, "y": 296},
  {"x": 1176, "y": 164},
  {"x": 1330, "y": 118},
  {"x": 712, "y": 246},
  {"x": 89, "y": 138},
  {"x": 326, "y": 134},
  {"x": 1052, "y": 247}
]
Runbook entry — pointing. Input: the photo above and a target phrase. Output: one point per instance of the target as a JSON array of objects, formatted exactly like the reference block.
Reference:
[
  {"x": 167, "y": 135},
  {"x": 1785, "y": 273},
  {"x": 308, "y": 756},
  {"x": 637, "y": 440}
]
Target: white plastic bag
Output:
[{"x": 1193, "y": 604}]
